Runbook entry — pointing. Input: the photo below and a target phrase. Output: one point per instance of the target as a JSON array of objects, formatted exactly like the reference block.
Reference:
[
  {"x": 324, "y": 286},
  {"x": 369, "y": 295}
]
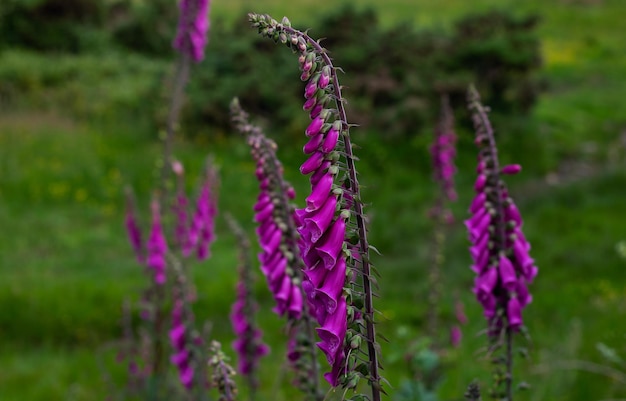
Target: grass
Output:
[{"x": 66, "y": 264}]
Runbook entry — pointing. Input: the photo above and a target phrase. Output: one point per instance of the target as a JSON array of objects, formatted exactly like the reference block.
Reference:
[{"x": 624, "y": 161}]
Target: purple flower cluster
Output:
[
  {"x": 193, "y": 27},
  {"x": 157, "y": 246},
  {"x": 134, "y": 234},
  {"x": 322, "y": 223},
  {"x": 443, "y": 152},
  {"x": 178, "y": 338},
  {"x": 500, "y": 251},
  {"x": 201, "y": 231},
  {"x": 248, "y": 343},
  {"x": 272, "y": 213}
]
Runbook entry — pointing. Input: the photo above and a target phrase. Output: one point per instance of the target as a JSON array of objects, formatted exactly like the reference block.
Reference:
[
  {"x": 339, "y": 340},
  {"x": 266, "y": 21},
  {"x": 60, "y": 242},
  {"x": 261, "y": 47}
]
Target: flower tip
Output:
[{"x": 511, "y": 169}]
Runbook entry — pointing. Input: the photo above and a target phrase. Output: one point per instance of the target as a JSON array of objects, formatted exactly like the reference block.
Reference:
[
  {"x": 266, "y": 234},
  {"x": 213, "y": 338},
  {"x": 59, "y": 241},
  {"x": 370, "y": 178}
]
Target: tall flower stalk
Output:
[
  {"x": 248, "y": 344},
  {"x": 280, "y": 258},
  {"x": 499, "y": 248},
  {"x": 443, "y": 152},
  {"x": 334, "y": 246},
  {"x": 190, "y": 40}
]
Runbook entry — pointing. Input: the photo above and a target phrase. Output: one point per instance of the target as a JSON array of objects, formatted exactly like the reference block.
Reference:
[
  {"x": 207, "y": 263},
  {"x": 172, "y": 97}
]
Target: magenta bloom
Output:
[
  {"x": 273, "y": 213},
  {"x": 157, "y": 247},
  {"x": 178, "y": 338},
  {"x": 134, "y": 235},
  {"x": 499, "y": 248},
  {"x": 193, "y": 27},
  {"x": 443, "y": 152},
  {"x": 248, "y": 344},
  {"x": 201, "y": 233}
]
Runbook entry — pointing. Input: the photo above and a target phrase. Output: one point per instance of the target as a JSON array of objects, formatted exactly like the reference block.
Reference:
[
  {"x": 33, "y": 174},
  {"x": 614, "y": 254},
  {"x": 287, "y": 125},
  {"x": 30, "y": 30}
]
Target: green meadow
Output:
[{"x": 68, "y": 150}]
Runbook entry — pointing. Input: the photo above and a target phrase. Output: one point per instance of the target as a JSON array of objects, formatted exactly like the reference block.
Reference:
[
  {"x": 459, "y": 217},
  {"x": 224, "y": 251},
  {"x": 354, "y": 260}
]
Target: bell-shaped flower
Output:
[
  {"x": 333, "y": 331},
  {"x": 312, "y": 163},
  {"x": 319, "y": 194},
  {"x": 331, "y": 243},
  {"x": 319, "y": 221},
  {"x": 507, "y": 273}
]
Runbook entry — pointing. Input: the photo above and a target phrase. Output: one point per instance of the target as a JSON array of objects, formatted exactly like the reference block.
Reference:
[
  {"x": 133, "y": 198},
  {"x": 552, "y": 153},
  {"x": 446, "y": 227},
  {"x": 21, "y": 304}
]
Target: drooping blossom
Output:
[
  {"x": 500, "y": 251},
  {"x": 193, "y": 27},
  {"x": 322, "y": 223},
  {"x": 332, "y": 225},
  {"x": 157, "y": 246},
  {"x": 179, "y": 339}
]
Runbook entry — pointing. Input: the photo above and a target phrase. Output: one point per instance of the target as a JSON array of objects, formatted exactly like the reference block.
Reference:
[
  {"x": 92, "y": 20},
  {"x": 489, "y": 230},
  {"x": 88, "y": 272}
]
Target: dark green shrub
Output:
[{"x": 52, "y": 25}]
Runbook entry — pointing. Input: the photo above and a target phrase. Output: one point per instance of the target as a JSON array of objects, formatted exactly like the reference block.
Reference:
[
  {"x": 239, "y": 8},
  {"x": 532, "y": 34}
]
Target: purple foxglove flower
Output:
[
  {"x": 310, "y": 105},
  {"x": 338, "y": 368},
  {"x": 134, "y": 235},
  {"x": 318, "y": 221},
  {"x": 315, "y": 126},
  {"x": 273, "y": 241},
  {"x": 328, "y": 294},
  {"x": 330, "y": 245},
  {"x": 512, "y": 213},
  {"x": 310, "y": 89},
  {"x": 315, "y": 111},
  {"x": 319, "y": 194},
  {"x": 319, "y": 173},
  {"x": 514, "y": 313},
  {"x": 522, "y": 294},
  {"x": 507, "y": 273},
  {"x": 324, "y": 79},
  {"x": 487, "y": 281},
  {"x": 312, "y": 163},
  {"x": 333, "y": 331},
  {"x": 478, "y": 203},
  {"x": 193, "y": 26},
  {"x": 316, "y": 277},
  {"x": 330, "y": 140},
  {"x": 263, "y": 200},
  {"x": 313, "y": 144},
  {"x": 496, "y": 216},
  {"x": 264, "y": 213},
  {"x": 157, "y": 247},
  {"x": 277, "y": 272},
  {"x": 511, "y": 169},
  {"x": 480, "y": 183},
  {"x": 295, "y": 306},
  {"x": 181, "y": 357}
]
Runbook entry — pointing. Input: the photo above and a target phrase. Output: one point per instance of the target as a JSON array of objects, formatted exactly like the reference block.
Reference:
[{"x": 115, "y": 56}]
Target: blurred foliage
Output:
[{"x": 393, "y": 76}]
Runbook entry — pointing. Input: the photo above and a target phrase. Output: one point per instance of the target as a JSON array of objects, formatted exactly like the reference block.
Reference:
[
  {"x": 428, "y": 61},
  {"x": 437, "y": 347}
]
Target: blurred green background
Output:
[{"x": 83, "y": 94}]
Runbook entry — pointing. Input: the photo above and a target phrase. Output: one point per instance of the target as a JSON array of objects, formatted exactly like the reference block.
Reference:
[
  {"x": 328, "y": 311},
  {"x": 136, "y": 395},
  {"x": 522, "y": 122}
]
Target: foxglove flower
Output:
[
  {"x": 248, "y": 344},
  {"x": 134, "y": 232},
  {"x": 193, "y": 27},
  {"x": 178, "y": 338},
  {"x": 181, "y": 203},
  {"x": 157, "y": 246},
  {"x": 499, "y": 249},
  {"x": 328, "y": 255},
  {"x": 443, "y": 152},
  {"x": 201, "y": 233},
  {"x": 280, "y": 257}
]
